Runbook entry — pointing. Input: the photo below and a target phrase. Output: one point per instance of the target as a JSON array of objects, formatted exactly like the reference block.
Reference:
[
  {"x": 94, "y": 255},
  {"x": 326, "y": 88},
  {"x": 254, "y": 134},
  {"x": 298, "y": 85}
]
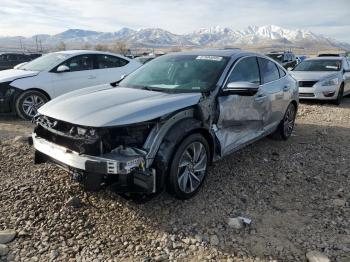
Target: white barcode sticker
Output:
[{"x": 209, "y": 57}]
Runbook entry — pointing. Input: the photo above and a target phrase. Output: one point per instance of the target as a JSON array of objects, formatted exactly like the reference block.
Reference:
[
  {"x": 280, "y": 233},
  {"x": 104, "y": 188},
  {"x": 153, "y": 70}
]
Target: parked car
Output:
[
  {"x": 9, "y": 60},
  {"x": 323, "y": 78},
  {"x": 332, "y": 54},
  {"x": 287, "y": 59},
  {"x": 25, "y": 89},
  {"x": 300, "y": 58},
  {"x": 144, "y": 59},
  {"x": 167, "y": 121}
]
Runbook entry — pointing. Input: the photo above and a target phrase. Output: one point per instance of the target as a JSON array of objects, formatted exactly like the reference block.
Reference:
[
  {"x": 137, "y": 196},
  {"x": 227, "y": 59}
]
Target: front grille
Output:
[
  {"x": 306, "y": 95},
  {"x": 307, "y": 83}
]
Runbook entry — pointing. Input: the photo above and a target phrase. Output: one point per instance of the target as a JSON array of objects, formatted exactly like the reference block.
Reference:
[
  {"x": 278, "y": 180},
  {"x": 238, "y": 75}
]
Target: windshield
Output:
[
  {"x": 45, "y": 62},
  {"x": 319, "y": 65},
  {"x": 276, "y": 57},
  {"x": 179, "y": 73}
]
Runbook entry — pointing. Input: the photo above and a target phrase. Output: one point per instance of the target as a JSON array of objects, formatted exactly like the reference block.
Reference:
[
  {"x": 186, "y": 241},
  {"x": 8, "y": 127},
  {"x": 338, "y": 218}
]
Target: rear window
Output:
[
  {"x": 108, "y": 61},
  {"x": 269, "y": 70}
]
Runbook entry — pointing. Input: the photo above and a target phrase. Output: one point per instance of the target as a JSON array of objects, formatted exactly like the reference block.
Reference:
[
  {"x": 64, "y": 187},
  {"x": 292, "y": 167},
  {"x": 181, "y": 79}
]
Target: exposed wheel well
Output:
[
  {"x": 39, "y": 90},
  {"x": 295, "y": 104},
  {"x": 205, "y": 133}
]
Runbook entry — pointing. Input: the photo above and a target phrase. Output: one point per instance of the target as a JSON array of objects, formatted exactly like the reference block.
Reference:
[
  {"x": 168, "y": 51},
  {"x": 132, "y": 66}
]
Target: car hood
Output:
[
  {"x": 102, "y": 106},
  {"x": 312, "y": 76},
  {"x": 13, "y": 74}
]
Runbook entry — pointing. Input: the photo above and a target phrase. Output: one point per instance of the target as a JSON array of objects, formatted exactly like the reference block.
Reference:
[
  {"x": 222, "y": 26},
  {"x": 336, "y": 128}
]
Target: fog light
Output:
[{"x": 328, "y": 93}]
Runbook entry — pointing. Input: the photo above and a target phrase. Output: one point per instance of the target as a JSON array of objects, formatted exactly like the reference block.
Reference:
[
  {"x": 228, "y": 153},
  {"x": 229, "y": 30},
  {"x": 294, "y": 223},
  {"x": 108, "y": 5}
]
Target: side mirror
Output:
[
  {"x": 62, "y": 69},
  {"x": 241, "y": 88},
  {"x": 346, "y": 70}
]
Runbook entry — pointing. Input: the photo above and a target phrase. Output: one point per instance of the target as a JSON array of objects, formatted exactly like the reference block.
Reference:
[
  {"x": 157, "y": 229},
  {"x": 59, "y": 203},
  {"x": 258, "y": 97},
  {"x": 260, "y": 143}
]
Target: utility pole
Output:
[
  {"x": 20, "y": 43},
  {"x": 41, "y": 46},
  {"x": 36, "y": 43}
]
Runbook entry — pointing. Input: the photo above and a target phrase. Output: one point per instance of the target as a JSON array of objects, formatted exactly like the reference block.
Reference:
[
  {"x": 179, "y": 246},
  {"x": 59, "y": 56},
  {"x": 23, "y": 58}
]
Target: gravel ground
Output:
[{"x": 296, "y": 193}]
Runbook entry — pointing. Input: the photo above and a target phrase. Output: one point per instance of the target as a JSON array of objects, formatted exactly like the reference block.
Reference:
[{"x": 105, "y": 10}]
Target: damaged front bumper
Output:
[{"x": 125, "y": 165}]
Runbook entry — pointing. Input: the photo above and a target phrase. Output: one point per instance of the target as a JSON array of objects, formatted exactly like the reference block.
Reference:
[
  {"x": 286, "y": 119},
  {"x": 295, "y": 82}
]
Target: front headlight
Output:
[{"x": 330, "y": 82}]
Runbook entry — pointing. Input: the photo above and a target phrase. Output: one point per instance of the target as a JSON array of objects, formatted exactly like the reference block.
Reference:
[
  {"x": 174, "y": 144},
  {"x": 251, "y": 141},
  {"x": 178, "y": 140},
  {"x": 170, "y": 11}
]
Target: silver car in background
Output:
[
  {"x": 163, "y": 124},
  {"x": 323, "y": 78}
]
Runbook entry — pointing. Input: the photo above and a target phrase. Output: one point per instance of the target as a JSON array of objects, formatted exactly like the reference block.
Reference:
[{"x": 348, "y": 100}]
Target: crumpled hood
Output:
[
  {"x": 13, "y": 74},
  {"x": 104, "y": 106},
  {"x": 312, "y": 76}
]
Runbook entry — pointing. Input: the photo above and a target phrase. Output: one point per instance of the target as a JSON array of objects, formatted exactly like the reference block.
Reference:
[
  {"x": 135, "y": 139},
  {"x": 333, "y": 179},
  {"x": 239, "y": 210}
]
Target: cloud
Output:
[{"x": 28, "y": 17}]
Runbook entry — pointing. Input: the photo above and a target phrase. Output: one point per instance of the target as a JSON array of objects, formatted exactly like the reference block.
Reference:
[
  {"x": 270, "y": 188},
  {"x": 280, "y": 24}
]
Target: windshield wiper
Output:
[{"x": 150, "y": 88}]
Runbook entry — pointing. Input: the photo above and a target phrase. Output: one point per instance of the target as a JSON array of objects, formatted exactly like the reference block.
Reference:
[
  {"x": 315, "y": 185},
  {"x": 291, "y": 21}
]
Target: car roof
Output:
[
  {"x": 83, "y": 52},
  {"x": 336, "y": 58},
  {"x": 212, "y": 52}
]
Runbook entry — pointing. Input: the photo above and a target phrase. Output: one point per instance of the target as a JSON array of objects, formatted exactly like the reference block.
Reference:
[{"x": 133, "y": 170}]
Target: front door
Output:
[
  {"x": 242, "y": 118},
  {"x": 82, "y": 74}
]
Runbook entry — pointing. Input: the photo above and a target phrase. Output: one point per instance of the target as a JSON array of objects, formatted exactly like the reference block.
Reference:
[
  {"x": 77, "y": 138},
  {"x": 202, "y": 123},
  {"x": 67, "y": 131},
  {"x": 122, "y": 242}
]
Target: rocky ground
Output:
[{"x": 296, "y": 194}]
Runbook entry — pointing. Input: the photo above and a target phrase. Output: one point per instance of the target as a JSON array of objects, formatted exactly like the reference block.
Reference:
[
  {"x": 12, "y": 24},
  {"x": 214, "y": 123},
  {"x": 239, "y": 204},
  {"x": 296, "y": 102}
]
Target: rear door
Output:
[
  {"x": 242, "y": 118},
  {"x": 274, "y": 85},
  {"x": 82, "y": 74}
]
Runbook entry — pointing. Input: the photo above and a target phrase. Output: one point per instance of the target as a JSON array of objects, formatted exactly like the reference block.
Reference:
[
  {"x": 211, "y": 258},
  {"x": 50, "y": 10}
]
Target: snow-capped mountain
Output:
[{"x": 207, "y": 37}]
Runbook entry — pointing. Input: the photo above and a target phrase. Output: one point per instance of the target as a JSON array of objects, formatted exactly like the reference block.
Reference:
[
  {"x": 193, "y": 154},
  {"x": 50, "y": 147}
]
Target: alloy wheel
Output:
[
  {"x": 192, "y": 167},
  {"x": 289, "y": 119},
  {"x": 31, "y": 104}
]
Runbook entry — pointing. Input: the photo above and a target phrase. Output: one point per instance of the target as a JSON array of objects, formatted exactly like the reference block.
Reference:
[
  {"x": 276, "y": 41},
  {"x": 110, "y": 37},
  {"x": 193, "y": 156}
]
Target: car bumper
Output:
[
  {"x": 132, "y": 177},
  {"x": 319, "y": 92}
]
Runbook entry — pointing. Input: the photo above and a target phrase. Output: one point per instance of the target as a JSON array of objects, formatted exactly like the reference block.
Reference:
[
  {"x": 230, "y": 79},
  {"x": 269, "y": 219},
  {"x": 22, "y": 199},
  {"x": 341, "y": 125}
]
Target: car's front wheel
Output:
[
  {"x": 339, "y": 98},
  {"x": 189, "y": 166},
  {"x": 286, "y": 126},
  {"x": 28, "y": 103}
]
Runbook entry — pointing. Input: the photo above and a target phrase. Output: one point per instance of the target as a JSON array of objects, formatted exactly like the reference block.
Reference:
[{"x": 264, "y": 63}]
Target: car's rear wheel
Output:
[
  {"x": 340, "y": 96},
  {"x": 286, "y": 126},
  {"x": 28, "y": 103},
  {"x": 188, "y": 167}
]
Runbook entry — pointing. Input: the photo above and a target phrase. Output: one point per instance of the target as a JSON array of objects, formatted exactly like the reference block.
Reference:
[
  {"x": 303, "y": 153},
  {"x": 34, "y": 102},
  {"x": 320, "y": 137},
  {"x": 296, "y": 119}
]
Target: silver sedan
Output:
[
  {"x": 323, "y": 78},
  {"x": 164, "y": 124}
]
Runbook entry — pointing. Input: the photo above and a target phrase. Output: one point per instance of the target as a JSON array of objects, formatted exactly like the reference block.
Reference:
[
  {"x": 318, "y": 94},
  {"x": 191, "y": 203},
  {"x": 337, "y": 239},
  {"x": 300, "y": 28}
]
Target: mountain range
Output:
[{"x": 268, "y": 36}]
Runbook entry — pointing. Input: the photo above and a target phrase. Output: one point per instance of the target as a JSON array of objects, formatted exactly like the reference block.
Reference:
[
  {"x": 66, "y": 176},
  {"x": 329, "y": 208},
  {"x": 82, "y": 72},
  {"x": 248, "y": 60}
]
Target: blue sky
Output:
[{"x": 28, "y": 17}]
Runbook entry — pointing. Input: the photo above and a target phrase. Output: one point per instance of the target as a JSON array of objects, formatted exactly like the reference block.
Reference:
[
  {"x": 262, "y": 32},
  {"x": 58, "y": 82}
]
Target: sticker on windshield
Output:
[{"x": 209, "y": 57}]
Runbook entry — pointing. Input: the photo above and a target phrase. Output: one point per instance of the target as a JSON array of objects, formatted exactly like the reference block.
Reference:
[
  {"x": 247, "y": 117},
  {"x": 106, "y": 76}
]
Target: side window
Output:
[
  {"x": 80, "y": 63},
  {"x": 269, "y": 71},
  {"x": 282, "y": 73},
  {"x": 346, "y": 64},
  {"x": 108, "y": 61},
  {"x": 246, "y": 70}
]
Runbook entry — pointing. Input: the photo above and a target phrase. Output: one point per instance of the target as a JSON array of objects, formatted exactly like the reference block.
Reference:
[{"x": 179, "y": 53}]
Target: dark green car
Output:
[{"x": 9, "y": 60}]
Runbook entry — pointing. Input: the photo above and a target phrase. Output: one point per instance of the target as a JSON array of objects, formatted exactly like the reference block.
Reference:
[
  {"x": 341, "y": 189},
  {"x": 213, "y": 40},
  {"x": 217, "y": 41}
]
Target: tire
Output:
[
  {"x": 93, "y": 182},
  {"x": 286, "y": 126},
  {"x": 28, "y": 102},
  {"x": 340, "y": 96},
  {"x": 188, "y": 169}
]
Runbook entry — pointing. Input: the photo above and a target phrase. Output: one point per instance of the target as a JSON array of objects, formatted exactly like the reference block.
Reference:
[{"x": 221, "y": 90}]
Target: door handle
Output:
[
  {"x": 286, "y": 88},
  {"x": 260, "y": 98},
  {"x": 91, "y": 77}
]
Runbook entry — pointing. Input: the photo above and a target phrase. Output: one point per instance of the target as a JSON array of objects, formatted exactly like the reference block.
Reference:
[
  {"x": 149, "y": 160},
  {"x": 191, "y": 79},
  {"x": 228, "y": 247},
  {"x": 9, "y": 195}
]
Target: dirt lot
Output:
[{"x": 296, "y": 193}]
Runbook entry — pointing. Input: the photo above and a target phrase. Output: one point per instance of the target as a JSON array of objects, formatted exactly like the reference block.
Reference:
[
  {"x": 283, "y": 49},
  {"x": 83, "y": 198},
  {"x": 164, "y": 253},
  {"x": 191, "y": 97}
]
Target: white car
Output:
[{"x": 24, "y": 89}]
